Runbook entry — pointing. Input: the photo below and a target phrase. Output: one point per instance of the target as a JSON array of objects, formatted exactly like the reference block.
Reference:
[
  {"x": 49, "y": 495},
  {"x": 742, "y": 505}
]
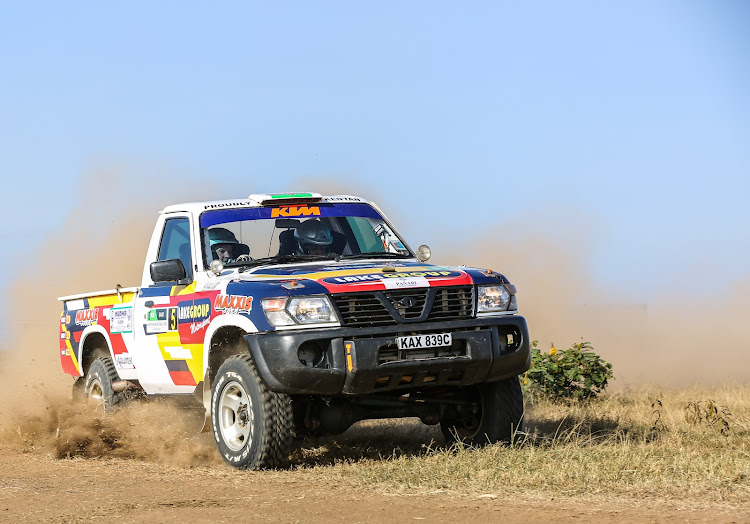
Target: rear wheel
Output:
[
  {"x": 489, "y": 413},
  {"x": 97, "y": 386},
  {"x": 253, "y": 426}
]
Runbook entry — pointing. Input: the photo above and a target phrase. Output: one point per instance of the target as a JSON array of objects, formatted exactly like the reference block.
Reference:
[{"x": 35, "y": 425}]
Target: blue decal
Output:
[
  {"x": 222, "y": 216},
  {"x": 189, "y": 311}
]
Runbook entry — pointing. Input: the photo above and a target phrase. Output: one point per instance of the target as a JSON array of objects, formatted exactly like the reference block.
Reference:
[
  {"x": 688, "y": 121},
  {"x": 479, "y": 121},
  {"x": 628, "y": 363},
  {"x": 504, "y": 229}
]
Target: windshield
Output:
[{"x": 297, "y": 232}]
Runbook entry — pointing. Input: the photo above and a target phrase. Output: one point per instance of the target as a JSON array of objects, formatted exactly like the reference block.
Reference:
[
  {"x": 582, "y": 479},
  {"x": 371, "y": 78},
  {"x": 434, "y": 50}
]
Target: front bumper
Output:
[{"x": 355, "y": 361}]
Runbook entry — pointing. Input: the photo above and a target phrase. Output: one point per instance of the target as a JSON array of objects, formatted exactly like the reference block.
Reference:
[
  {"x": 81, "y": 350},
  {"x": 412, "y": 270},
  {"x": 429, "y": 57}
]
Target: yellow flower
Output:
[{"x": 553, "y": 351}]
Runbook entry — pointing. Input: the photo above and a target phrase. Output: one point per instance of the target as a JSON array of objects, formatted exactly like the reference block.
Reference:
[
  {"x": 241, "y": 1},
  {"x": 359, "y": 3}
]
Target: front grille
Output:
[
  {"x": 401, "y": 306},
  {"x": 409, "y": 303},
  {"x": 362, "y": 310},
  {"x": 452, "y": 302}
]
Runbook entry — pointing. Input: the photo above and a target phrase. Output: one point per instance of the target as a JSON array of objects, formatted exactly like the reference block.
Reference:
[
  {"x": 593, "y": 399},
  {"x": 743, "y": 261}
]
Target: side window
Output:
[{"x": 175, "y": 243}]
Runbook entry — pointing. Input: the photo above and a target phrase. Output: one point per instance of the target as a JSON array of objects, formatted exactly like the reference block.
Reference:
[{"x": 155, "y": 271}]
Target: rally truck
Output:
[{"x": 286, "y": 315}]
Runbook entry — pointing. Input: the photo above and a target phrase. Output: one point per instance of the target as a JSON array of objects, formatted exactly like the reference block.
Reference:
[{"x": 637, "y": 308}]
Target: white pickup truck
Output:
[{"x": 290, "y": 314}]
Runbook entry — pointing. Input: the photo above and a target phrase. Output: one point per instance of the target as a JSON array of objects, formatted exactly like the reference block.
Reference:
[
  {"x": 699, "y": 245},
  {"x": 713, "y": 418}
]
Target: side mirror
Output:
[
  {"x": 167, "y": 270},
  {"x": 423, "y": 253}
]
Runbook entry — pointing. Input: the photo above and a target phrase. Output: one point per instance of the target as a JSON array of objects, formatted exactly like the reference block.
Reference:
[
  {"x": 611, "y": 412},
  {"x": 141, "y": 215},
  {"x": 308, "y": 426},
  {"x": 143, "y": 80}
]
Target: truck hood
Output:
[{"x": 343, "y": 277}]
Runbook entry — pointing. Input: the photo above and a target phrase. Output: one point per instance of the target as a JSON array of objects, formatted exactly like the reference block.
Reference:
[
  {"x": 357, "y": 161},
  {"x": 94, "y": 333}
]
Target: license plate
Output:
[{"x": 432, "y": 340}]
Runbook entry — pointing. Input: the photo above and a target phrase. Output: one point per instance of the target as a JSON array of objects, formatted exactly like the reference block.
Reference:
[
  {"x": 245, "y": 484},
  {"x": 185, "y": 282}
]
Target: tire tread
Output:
[{"x": 278, "y": 423}]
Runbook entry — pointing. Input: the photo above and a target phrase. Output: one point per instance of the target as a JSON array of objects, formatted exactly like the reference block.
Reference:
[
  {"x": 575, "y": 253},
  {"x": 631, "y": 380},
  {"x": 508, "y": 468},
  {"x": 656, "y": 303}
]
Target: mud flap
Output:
[{"x": 204, "y": 391}]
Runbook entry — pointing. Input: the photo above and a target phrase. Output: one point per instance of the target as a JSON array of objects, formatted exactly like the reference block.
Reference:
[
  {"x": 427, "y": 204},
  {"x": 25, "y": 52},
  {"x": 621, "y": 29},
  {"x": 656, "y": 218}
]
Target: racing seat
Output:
[{"x": 287, "y": 243}]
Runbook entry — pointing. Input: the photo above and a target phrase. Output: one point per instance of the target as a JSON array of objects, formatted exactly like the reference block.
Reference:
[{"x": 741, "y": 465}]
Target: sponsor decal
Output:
[
  {"x": 86, "y": 317},
  {"x": 233, "y": 303},
  {"x": 62, "y": 335},
  {"x": 343, "y": 199},
  {"x": 124, "y": 361},
  {"x": 198, "y": 326},
  {"x": 161, "y": 320},
  {"x": 401, "y": 283},
  {"x": 419, "y": 275},
  {"x": 295, "y": 211},
  {"x": 354, "y": 278},
  {"x": 225, "y": 204},
  {"x": 189, "y": 311},
  {"x": 121, "y": 320}
]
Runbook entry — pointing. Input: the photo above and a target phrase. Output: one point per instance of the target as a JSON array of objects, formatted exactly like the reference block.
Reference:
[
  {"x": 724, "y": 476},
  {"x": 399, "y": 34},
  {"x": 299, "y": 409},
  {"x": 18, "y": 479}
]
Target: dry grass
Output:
[
  {"x": 644, "y": 444},
  {"x": 689, "y": 447}
]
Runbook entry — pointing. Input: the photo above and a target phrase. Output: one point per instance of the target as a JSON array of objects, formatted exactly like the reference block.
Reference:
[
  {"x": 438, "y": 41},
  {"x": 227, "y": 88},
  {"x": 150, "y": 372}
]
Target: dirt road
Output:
[
  {"x": 149, "y": 463},
  {"x": 39, "y": 488}
]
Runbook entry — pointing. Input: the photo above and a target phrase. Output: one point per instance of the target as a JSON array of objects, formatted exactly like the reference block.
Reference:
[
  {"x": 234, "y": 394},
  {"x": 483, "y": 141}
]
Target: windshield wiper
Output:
[
  {"x": 376, "y": 254},
  {"x": 284, "y": 259}
]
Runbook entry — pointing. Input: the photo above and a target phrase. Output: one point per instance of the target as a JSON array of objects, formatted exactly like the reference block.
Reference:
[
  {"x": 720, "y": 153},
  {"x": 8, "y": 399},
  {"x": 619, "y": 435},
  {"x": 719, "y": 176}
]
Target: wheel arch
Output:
[
  {"x": 94, "y": 343},
  {"x": 224, "y": 338}
]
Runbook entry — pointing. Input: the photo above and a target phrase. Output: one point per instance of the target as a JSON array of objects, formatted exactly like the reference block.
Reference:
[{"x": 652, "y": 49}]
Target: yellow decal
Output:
[
  {"x": 109, "y": 300},
  {"x": 189, "y": 289},
  {"x": 349, "y": 361},
  {"x": 343, "y": 273},
  {"x": 172, "y": 341}
]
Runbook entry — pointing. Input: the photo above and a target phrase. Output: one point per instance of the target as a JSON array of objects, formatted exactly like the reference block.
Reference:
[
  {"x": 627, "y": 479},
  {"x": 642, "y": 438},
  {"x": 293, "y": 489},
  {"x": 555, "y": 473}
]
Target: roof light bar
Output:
[{"x": 276, "y": 199}]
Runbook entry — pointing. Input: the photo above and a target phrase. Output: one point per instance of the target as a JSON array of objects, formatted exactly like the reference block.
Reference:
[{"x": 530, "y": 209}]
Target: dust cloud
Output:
[
  {"x": 673, "y": 339},
  {"x": 667, "y": 342},
  {"x": 101, "y": 243}
]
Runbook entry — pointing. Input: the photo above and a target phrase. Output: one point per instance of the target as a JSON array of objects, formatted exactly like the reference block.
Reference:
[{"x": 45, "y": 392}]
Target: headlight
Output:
[
  {"x": 492, "y": 298},
  {"x": 275, "y": 310},
  {"x": 298, "y": 310},
  {"x": 311, "y": 310}
]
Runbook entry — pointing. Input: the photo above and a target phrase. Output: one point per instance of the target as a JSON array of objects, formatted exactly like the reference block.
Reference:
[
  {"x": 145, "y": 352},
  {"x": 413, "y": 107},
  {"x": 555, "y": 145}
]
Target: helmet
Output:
[
  {"x": 219, "y": 235},
  {"x": 312, "y": 233}
]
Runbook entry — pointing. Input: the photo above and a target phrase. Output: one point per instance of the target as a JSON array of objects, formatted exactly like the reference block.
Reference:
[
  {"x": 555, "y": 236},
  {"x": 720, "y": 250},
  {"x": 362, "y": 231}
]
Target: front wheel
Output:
[
  {"x": 489, "y": 413},
  {"x": 252, "y": 426}
]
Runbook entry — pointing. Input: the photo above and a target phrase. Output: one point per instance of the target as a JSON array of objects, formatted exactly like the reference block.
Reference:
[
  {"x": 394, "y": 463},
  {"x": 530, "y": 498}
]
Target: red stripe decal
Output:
[{"x": 182, "y": 378}]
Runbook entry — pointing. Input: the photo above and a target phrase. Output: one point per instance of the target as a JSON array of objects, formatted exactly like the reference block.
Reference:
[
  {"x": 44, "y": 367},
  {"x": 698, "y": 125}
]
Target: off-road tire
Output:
[
  {"x": 97, "y": 386},
  {"x": 499, "y": 415},
  {"x": 253, "y": 426}
]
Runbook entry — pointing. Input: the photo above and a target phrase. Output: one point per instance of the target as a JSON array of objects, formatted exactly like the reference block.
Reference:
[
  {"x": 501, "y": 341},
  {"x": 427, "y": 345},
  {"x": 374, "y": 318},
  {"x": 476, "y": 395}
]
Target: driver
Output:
[
  {"x": 313, "y": 238},
  {"x": 223, "y": 243}
]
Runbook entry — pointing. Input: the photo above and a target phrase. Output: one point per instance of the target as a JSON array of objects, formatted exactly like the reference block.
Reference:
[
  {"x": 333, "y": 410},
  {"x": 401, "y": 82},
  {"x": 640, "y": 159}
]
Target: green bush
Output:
[{"x": 574, "y": 373}]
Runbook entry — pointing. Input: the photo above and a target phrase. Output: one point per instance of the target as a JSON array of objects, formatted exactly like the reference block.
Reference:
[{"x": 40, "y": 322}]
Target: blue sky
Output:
[{"x": 632, "y": 117}]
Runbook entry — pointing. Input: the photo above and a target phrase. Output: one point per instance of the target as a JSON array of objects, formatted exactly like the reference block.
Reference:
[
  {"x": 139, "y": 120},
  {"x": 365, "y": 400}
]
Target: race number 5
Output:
[{"x": 173, "y": 319}]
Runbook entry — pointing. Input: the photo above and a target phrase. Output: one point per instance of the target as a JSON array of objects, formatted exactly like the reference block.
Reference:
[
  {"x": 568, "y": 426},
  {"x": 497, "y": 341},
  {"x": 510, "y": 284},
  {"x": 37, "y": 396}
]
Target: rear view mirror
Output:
[
  {"x": 167, "y": 270},
  {"x": 287, "y": 223}
]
